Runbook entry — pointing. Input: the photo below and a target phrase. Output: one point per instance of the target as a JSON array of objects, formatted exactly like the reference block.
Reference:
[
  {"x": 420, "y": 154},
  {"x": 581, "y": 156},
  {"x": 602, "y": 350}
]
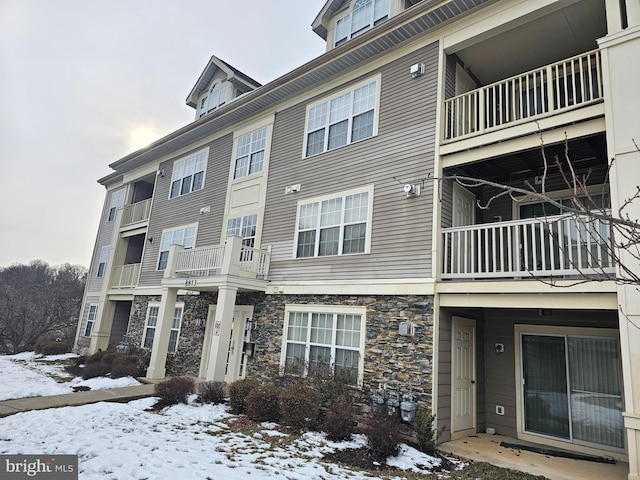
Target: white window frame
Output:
[
  {"x": 184, "y": 235},
  {"x": 317, "y": 224},
  {"x": 176, "y": 324},
  {"x": 346, "y": 27},
  {"x": 246, "y": 227},
  {"x": 117, "y": 200},
  {"x": 148, "y": 327},
  {"x": 329, "y": 115},
  {"x": 91, "y": 319},
  {"x": 189, "y": 174},
  {"x": 218, "y": 95},
  {"x": 102, "y": 261},
  {"x": 334, "y": 311},
  {"x": 251, "y": 150}
]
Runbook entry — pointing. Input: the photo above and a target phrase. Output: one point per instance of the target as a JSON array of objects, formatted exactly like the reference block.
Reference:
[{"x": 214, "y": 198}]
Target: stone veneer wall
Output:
[
  {"x": 394, "y": 365},
  {"x": 186, "y": 360}
]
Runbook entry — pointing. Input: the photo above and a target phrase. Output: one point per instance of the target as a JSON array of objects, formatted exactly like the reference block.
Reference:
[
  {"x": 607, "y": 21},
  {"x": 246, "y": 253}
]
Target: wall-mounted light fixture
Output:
[
  {"x": 150, "y": 239},
  {"x": 417, "y": 69},
  {"x": 160, "y": 173},
  {"x": 499, "y": 348}
]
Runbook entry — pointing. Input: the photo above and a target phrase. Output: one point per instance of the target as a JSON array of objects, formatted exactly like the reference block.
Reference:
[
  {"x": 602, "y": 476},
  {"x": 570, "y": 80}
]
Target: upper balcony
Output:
[
  {"x": 516, "y": 74},
  {"x": 553, "y": 89},
  {"x": 136, "y": 213}
]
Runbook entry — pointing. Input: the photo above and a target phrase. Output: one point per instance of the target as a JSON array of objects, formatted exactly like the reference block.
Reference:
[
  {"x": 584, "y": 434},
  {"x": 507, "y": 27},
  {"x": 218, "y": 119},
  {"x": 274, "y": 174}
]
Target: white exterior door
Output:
[
  {"x": 463, "y": 245},
  {"x": 463, "y": 373},
  {"x": 240, "y": 333}
]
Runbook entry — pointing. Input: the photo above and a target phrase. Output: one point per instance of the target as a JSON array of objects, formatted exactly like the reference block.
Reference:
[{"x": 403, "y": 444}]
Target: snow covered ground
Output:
[
  {"x": 131, "y": 442},
  {"x": 30, "y": 375}
]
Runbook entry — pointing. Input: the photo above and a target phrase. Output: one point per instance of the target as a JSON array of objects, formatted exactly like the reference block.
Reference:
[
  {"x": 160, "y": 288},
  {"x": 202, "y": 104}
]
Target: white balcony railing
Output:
[
  {"x": 200, "y": 262},
  {"x": 551, "y": 89},
  {"x": 136, "y": 212},
  {"x": 563, "y": 245},
  {"x": 125, "y": 276},
  {"x": 209, "y": 261}
]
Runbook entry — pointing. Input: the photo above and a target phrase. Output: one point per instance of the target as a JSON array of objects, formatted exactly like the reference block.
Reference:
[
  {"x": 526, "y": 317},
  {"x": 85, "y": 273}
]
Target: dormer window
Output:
[
  {"x": 218, "y": 96},
  {"x": 364, "y": 15}
]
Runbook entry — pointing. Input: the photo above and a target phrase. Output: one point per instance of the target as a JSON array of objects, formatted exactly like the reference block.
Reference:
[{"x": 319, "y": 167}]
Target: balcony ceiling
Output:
[
  {"x": 588, "y": 154},
  {"x": 553, "y": 37}
]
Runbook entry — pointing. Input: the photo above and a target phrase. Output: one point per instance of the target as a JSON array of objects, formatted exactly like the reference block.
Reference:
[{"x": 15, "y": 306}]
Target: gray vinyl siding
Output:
[
  {"x": 403, "y": 148},
  {"x": 500, "y": 369},
  {"x": 443, "y": 379},
  {"x": 105, "y": 234},
  {"x": 185, "y": 210}
]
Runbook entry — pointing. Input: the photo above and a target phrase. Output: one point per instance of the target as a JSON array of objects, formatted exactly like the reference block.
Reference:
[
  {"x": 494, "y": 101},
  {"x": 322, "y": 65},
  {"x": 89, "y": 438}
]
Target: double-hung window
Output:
[
  {"x": 337, "y": 225},
  {"x": 365, "y": 15},
  {"x": 344, "y": 118},
  {"x": 117, "y": 200},
  {"x": 321, "y": 339},
  {"x": 185, "y": 236},
  {"x": 244, "y": 227},
  {"x": 188, "y": 174},
  {"x": 91, "y": 319},
  {"x": 102, "y": 261},
  {"x": 150, "y": 326},
  {"x": 152, "y": 323},
  {"x": 175, "y": 329},
  {"x": 218, "y": 96},
  {"x": 250, "y": 153}
]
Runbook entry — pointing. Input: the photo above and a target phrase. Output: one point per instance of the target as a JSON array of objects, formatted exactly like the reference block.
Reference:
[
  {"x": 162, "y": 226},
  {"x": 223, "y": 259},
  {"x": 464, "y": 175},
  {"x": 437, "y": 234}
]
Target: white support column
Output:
[
  {"x": 633, "y": 12},
  {"x": 622, "y": 104},
  {"x": 221, "y": 333},
  {"x": 158, "y": 361}
]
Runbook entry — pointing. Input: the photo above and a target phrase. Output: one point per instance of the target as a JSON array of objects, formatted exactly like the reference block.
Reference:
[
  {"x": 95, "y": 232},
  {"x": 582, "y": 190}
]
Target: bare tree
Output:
[
  {"x": 616, "y": 233},
  {"x": 38, "y": 301}
]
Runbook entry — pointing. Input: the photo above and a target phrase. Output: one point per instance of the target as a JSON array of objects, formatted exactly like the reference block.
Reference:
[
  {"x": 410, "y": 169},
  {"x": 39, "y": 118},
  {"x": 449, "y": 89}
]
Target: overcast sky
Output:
[{"x": 82, "y": 81}]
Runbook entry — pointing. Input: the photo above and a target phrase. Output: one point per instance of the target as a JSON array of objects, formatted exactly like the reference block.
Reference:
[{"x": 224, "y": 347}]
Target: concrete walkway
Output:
[
  {"x": 124, "y": 394},
  {"x": 486, "y": 448}
]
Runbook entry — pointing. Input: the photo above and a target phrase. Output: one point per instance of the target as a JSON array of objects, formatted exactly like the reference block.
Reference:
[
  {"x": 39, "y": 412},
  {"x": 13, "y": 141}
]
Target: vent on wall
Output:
[{"x": 406, "y": 329}]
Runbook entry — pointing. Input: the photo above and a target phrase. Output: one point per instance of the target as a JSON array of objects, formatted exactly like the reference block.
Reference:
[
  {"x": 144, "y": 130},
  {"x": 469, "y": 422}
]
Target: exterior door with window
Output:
[
  {"x": 463, "y": 244},
  {"x": 463, "y": 373},
  {"x": 240, "y": 333}
]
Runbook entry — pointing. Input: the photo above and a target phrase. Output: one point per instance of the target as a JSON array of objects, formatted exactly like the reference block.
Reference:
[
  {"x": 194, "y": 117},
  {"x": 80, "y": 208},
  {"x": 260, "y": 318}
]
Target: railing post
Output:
[
  {"x": 172, "y": 260},
  {"x": 231, "y": 258}
]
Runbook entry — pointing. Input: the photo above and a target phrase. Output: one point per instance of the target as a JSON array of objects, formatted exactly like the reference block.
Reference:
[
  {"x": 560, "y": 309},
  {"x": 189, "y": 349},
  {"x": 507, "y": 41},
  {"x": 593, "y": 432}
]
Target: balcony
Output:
[
  {"x": 136, "y": 213},
  {"x": 553, "y": 89},
  {"x": 209, "y": 264},
  {"x": 125, "y": 276},
  {"x": 553, "y": 247}
]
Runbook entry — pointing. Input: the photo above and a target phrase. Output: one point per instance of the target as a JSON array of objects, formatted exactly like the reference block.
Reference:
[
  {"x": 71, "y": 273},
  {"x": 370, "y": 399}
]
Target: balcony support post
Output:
[
  {"x": 158, "y": 360},
  {"x": 216, "y": 364}
]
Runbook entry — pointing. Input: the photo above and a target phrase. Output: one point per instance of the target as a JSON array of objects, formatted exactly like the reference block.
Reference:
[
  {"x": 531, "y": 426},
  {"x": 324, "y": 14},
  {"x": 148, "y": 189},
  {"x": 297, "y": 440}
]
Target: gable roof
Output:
[
  {"x": 329, "y": 9},
  {"x": 243, "y": 82}
]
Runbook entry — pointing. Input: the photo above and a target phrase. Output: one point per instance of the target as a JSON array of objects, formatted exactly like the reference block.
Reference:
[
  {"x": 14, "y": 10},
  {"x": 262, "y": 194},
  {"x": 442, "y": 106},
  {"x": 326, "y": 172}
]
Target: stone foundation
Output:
[{"x": 395, "y": 366}]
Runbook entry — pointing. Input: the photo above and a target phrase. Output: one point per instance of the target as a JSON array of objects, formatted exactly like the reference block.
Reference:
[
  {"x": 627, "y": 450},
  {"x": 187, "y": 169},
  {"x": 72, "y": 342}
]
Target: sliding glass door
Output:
[{"x": 572, "y": 388}]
